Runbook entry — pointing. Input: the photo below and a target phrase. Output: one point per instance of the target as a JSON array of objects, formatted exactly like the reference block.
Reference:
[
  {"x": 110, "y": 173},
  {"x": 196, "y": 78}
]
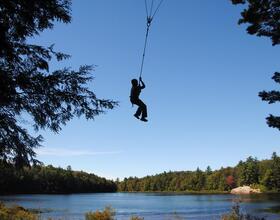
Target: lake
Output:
[{"x": 151, "y": 206}]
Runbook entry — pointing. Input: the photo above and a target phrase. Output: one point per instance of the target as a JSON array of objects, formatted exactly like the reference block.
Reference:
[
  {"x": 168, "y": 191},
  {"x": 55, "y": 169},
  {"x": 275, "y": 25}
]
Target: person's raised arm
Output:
[{"x": 142, "y": 84}]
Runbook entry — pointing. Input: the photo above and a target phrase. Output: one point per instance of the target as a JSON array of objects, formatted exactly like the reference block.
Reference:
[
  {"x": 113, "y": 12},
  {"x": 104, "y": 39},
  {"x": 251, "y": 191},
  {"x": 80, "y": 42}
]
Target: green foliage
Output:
[
  {"x": 16, "y": 213},
  {"x": 261, "y": 187},
  {"x": 264, "y": 175},
  {"x": 272, "y": 178},
  {"x": 27, "y": 86},
  {"x": 177, "y": 181},
  {"x": 249, "y": 171},
  {"x": 48, "y": 179},
  {"x": 107, "y": 214}
]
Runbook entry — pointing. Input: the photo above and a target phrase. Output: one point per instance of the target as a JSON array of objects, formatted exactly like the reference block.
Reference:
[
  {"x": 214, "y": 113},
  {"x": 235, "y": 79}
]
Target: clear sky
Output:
[{"x": 203, "y": 73}]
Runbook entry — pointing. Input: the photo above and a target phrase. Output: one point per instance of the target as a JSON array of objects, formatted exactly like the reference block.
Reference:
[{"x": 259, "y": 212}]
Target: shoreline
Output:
[{"x": 150, "y": 192}]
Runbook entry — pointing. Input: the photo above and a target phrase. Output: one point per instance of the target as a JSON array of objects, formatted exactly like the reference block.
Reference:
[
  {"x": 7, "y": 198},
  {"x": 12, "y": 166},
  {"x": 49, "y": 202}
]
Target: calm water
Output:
[{"x": 151, "y": 206}]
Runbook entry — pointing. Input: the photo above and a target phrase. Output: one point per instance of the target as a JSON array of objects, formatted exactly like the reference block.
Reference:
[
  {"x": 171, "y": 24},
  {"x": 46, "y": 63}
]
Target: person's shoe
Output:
[
  {"x": 136, "y": 116},
  {"x": 144, "y": 119}
]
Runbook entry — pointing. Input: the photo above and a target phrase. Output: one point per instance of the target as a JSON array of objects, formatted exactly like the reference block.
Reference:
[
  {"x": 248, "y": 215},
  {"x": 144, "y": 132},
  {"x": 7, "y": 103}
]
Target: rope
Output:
[
  {"x": 157, "y": 9},
  {"x": 150, "y": 18},
  {"x": 146, "y": 7},
  {"x": 151, "y": 8},
  {"x": 145, "y": 46}
]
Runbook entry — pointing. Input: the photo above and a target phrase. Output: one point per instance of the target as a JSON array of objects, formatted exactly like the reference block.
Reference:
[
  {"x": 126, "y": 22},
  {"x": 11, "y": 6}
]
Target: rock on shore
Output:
[{"x": 244, "y": 190}]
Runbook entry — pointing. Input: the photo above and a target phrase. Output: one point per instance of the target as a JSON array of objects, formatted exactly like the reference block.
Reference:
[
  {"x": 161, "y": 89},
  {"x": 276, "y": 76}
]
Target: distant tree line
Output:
[
  {"x": 263, "y": 174},
  {"x": 48, "y": 179}
]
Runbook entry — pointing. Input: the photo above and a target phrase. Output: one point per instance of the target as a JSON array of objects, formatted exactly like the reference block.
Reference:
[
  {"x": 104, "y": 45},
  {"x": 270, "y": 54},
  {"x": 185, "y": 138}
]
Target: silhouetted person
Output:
[{"x": 134, "y": 98}]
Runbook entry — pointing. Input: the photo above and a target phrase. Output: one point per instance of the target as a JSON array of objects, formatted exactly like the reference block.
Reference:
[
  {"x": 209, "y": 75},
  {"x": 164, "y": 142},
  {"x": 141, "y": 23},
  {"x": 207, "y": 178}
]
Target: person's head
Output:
[{"x": 134, "y": 82}]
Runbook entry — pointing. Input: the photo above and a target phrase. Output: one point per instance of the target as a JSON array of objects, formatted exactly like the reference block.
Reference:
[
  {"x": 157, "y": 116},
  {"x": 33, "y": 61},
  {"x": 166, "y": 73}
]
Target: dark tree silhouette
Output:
[
  {"x": 272, "y": 97},
  {"x": 263, "y": 17},
  {"x": 49, "y": 179},
  {"x": 28, "y": 89}
]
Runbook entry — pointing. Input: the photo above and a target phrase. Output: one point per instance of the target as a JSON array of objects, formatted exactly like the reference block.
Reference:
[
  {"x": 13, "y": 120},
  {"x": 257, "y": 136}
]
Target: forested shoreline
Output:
[
  {"x": 50, "y": 180},
  {"x": 262, "y": 174}
]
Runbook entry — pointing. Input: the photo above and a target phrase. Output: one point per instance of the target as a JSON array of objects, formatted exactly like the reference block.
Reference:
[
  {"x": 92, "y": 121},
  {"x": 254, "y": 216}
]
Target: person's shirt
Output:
[{"x": 135, "y": 92}]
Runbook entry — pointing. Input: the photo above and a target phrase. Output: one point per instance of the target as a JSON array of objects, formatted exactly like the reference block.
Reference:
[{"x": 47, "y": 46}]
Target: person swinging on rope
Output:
[{"x": 134, "y": 98}]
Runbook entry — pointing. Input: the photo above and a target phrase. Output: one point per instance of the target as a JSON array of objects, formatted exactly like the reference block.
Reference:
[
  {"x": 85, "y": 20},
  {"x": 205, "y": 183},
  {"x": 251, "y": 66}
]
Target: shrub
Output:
[
  {"x": 259, "y": 186},
  {"x": 107, "y": 214},
  {"x": 16, "y": 213},
  {"x": 136, "y": 218}
]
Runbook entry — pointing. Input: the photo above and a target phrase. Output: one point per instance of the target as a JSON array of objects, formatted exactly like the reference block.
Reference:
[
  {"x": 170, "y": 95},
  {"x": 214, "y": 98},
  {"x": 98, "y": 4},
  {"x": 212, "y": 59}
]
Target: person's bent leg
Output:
[
  {"x": 138, "y": 112},
  {"x": 144, "y": 112},
  {"x": 143, "y": 107},
  {"x": 139, "y": 109}
]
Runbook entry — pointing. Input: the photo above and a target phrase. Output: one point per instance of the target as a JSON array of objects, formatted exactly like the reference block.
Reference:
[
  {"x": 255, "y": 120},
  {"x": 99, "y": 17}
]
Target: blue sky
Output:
[{"x": 203, "y": 74}]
